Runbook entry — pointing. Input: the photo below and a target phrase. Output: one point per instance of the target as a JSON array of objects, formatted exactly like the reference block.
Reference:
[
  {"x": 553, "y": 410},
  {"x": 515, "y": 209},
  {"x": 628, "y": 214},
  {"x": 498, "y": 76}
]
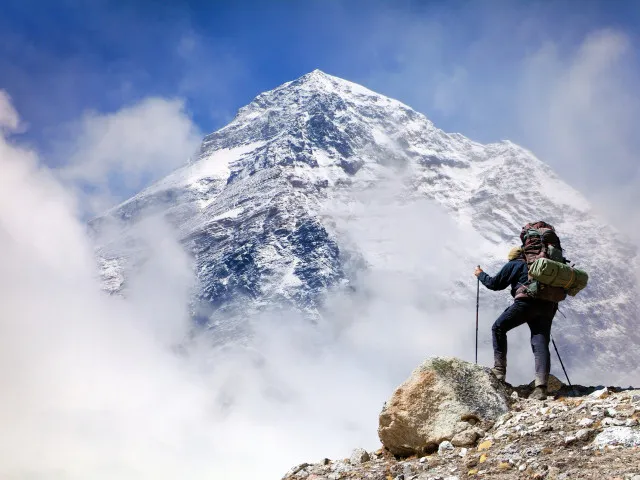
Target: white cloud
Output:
[
  {"x": 579, "y": 110},
  {"x": 580, "y": 114},
  {"x": 508, "y": 71},
  {"x": 120, "y": 153},
  {"x": 94, "y": 386},
  {"x": 67, "y": 355},
  {"x": 8, "y": 116}
]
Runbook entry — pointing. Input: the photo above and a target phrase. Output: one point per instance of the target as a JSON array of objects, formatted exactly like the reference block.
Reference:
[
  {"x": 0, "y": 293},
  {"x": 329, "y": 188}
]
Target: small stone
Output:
[
  {"x": 599, "y": 393},
  {"x": 615, "y": 422},
  {"x": 472, "y": 462},
  {"x": 514, "y": 395},
  {"x": 584, "y": 434},
  {"x": 463, "y": 439},
  {"x": 423, "y": 459},
  {"x": 299, "y": 468},
  {"x": 359, "y": 456},
  {"x": 463, "y": 452},
  {"x": 611, "y": 412},
  {"x": 473, "y": 471},
  {"x": 570, "y": 439},
  {"x": 483, "y": 458},
  {"x": 626, "y": 412},
  {"x": 445, "y": 447},
  {"x": 586, "y": 422},
  {"x": 579, "y": 408},
  {"x": 618, "y": 436},
  {"x": 504, "y": 466},
  {"x": 631, "y": 422},
  {"x": 486, "y": 445},
  {"x": 532, "y": 451},
  {"x": 635, "y": 399},
  {"x": 500, "y": 434},
  {"x": 522, "y": 468}
]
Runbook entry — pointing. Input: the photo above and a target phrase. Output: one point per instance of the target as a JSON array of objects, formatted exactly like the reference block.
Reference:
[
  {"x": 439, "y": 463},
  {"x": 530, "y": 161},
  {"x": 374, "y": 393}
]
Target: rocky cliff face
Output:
[
  {"x": 250, "y": 209},
  {"x": 584, "y": 432}
]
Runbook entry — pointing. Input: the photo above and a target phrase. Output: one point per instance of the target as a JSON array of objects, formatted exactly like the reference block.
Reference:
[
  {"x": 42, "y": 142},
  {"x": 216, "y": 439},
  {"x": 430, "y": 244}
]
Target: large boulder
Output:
[{"x": 443, "y": 399}]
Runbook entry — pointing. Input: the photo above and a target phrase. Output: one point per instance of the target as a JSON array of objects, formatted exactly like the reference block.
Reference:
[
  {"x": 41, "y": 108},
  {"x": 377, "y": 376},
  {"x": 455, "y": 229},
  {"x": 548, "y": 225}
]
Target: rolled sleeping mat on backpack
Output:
[{"x": 556, "y": 274}]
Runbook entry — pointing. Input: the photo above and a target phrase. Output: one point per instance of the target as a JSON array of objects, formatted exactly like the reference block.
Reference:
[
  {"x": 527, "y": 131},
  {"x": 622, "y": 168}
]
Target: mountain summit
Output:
[{"x": 250, "y": 209}]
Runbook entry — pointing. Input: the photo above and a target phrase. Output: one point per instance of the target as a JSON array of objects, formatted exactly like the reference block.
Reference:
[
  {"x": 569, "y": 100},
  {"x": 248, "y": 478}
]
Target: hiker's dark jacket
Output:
[{"x": 514, "y": 273}]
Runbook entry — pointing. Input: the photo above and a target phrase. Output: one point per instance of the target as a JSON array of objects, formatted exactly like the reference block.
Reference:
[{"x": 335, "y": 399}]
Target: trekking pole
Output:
[
  {"x": 558, "y": 353},
  {"x": 561, "y": 364},
  {"x": 477, "y": 310}
]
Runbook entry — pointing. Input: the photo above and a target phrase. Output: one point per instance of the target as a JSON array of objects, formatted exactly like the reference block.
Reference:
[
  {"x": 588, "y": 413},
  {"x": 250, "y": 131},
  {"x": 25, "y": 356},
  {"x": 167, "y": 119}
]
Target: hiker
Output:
[{"x": 536, "y": 313}]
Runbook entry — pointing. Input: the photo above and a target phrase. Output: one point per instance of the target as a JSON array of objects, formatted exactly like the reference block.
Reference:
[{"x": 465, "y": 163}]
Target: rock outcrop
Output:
[
  {"x": 443, "y": 399},
  {"x": 579, "y": 432}
]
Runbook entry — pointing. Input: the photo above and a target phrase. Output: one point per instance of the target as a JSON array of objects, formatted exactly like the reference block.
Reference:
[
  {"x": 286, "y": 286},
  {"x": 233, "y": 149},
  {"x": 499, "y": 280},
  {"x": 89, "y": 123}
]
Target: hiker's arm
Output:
[{"x": 501, "y": 281}]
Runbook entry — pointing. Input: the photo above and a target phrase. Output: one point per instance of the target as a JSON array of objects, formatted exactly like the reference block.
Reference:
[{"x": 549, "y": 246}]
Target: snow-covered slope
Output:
[{"x": 251, "y": 210}]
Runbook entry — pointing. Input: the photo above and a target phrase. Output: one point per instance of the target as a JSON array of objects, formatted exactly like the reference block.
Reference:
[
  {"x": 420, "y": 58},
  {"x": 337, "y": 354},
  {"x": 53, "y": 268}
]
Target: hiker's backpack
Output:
[{"x": 550, "y": 278}]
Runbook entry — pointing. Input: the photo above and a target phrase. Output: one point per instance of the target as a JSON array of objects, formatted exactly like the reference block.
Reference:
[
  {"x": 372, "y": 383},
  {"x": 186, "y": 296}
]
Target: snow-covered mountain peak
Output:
[
  {"x": 250, "y": 208},
  {"x": 306, "y": 104},
  {"x": 317, "y": 82}
]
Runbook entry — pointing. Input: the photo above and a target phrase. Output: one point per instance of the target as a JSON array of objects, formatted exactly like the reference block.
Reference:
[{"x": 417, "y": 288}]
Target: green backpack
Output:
[{"x": 556, "y": 274}]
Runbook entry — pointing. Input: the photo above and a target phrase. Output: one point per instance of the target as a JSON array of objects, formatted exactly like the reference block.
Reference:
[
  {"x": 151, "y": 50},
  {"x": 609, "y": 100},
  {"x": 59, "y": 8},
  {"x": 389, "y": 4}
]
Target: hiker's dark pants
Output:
[{"x": 538, "y": 315}]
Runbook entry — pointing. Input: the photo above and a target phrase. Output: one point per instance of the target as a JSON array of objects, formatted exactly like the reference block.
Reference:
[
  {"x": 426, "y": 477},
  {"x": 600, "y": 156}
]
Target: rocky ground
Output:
[{"x": 580, "y": 433}]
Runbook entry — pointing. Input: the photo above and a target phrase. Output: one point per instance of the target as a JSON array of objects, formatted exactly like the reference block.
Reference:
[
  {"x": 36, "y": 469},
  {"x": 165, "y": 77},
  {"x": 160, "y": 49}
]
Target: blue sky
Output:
[
  {"x": 58, "y": 59},
  {"x": 469, "y": 66}
]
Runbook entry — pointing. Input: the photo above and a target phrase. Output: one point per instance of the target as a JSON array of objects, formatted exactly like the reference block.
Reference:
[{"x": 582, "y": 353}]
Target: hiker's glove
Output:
[{"x": 478, "y": 271}]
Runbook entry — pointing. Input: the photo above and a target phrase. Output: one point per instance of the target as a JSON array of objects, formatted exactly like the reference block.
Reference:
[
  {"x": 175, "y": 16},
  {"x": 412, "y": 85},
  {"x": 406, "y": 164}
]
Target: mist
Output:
[
  {"x": 98, "y": 386},
  {"x": 540, "y": 74},
  {"x": 110, "y": 387}
]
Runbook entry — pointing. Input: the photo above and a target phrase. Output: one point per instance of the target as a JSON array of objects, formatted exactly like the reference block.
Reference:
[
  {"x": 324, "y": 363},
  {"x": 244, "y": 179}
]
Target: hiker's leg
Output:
[
  {"x": 540, "y": 327},
  {"x": 511, "y": 318}
]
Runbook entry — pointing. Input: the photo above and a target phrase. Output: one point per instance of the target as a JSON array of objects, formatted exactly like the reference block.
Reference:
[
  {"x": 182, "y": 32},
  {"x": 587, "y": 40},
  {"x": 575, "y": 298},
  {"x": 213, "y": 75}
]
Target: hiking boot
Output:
[
  {"x": 539, "y": 393},
  {"x": 499, "y": 373}
]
